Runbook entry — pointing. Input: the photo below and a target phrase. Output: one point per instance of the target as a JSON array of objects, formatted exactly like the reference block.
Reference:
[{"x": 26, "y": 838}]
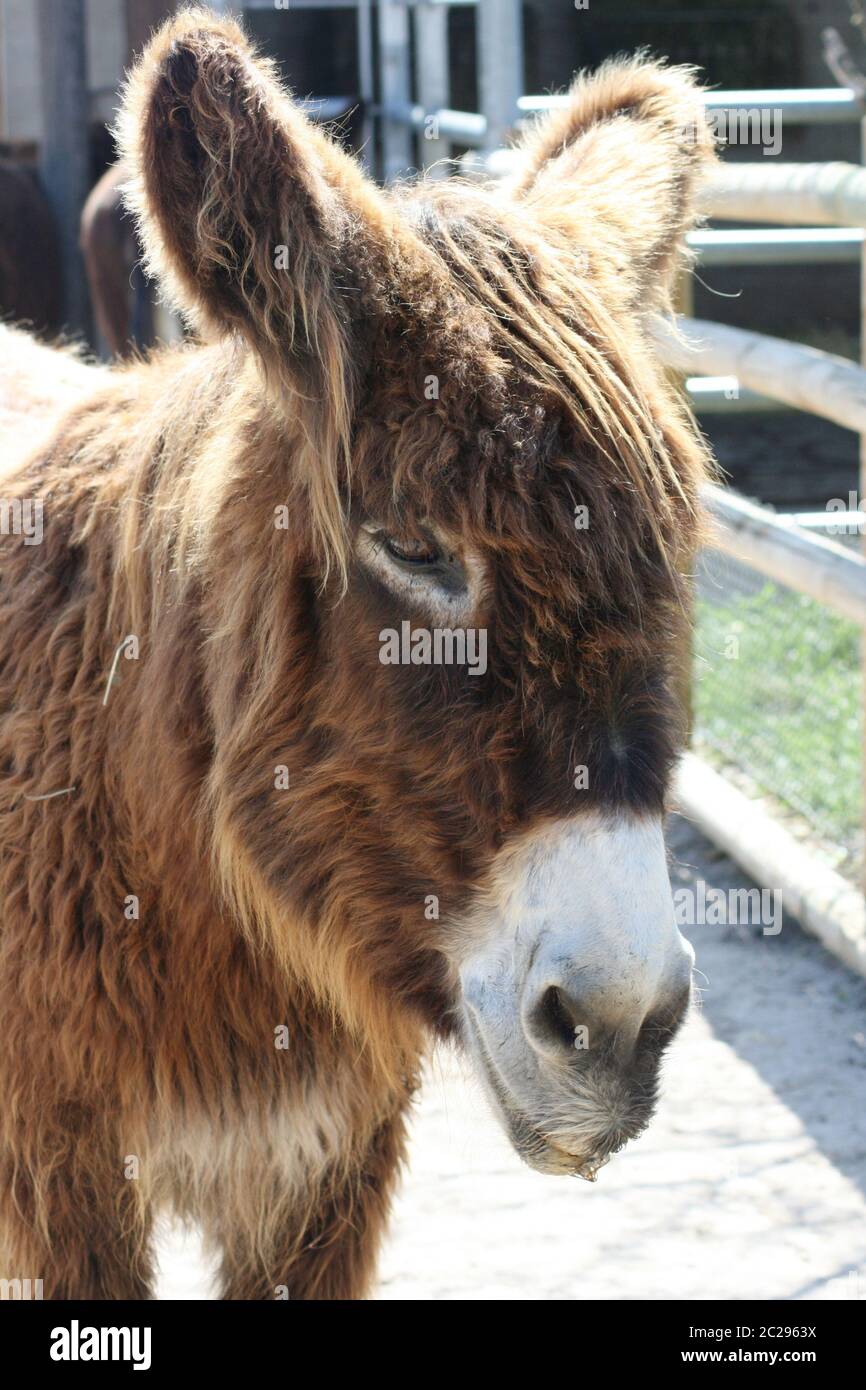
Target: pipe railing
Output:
[
  {"x": 799, "y": 376},
  {"x": 794, "y": 105},
  {"x": 780, "y": 246},
  {"x": 785, "y": 552},
  {"x": 831, "y": 194}
]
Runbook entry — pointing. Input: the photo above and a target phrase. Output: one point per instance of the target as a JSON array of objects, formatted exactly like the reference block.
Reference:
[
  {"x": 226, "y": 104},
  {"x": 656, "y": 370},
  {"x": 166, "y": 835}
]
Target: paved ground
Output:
[{"x": 751, "y": 1182}]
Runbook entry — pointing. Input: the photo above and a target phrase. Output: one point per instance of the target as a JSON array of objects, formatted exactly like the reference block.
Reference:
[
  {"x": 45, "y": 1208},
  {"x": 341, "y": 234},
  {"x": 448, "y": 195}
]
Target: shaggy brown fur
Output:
[{"x": 174, "y": 907}]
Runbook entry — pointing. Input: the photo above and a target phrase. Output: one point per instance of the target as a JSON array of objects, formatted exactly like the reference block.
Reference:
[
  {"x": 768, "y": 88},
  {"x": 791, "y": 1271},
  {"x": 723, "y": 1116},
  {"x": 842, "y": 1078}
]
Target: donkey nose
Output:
[{"x": 567, "y": 1013}]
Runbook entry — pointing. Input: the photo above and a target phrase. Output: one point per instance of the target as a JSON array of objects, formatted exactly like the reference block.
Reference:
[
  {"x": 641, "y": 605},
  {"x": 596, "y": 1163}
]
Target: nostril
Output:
[
  {"x": 552, "y": 1020},
  {"x": 659, "y": 1029}
]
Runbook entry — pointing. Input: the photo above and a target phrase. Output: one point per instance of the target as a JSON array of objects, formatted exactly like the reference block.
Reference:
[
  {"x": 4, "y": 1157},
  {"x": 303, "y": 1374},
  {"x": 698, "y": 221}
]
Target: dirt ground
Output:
[{"x": 749, "y": 1184}]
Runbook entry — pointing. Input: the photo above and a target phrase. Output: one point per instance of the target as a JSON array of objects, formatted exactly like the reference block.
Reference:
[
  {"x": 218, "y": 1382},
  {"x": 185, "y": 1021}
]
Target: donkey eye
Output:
[
  {"x": 414, "y": 562},
  {"x": 411, "y": 552}
]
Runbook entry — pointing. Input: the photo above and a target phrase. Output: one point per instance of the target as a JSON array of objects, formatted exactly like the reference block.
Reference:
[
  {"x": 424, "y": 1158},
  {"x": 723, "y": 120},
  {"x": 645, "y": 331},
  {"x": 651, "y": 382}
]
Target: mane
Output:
[
  {"x": 519, "y": 318},
  {"x": 545, "y": 316}
]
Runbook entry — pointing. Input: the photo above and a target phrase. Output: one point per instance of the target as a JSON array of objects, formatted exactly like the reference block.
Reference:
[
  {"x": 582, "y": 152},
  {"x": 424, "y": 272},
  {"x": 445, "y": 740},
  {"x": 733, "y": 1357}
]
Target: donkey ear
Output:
[
  {"x": 244, "y": 207},
  {"x": 616, "y": 172}
]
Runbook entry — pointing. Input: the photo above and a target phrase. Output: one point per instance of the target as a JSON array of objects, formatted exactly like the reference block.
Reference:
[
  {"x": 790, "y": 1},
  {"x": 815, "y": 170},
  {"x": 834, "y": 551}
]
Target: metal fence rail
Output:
[
  {"x": 782, "y": 550},
  {"x": 802, "y": 377},
  {"x": 832, "y": 194}
]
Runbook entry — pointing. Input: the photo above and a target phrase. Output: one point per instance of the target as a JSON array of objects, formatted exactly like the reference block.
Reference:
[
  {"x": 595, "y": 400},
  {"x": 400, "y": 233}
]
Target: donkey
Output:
[{"x": 249, "y": 868}]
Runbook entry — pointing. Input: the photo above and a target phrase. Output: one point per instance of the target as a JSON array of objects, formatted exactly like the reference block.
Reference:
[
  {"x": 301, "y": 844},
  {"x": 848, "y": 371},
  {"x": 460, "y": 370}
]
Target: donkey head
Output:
[{"x": 462, "y": 648}]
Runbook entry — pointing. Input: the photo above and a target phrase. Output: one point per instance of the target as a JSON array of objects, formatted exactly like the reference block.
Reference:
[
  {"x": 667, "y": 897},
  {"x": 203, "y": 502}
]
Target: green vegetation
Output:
[{"x": 778, "y": 693}]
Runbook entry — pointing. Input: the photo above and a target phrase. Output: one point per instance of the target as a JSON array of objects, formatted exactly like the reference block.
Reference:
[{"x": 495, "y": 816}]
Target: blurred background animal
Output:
[
  {"x": 119, "y": 293},
  {"x": 30, "y": 284}
]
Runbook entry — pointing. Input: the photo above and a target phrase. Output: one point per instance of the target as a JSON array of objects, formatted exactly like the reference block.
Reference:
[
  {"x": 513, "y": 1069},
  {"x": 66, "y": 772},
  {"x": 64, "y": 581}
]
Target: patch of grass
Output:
[{"x": 778, "y": 692}]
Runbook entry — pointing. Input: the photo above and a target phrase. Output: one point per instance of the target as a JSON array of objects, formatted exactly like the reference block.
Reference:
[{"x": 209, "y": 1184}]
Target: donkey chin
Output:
[{"x": 574, "y": 979}]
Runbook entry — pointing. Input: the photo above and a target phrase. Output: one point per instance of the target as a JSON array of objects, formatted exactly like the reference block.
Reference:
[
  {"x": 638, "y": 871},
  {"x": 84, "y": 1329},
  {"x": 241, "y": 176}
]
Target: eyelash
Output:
[
  {"x": 426, "y": 560},
  {"x": 441, "y": 571}
]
